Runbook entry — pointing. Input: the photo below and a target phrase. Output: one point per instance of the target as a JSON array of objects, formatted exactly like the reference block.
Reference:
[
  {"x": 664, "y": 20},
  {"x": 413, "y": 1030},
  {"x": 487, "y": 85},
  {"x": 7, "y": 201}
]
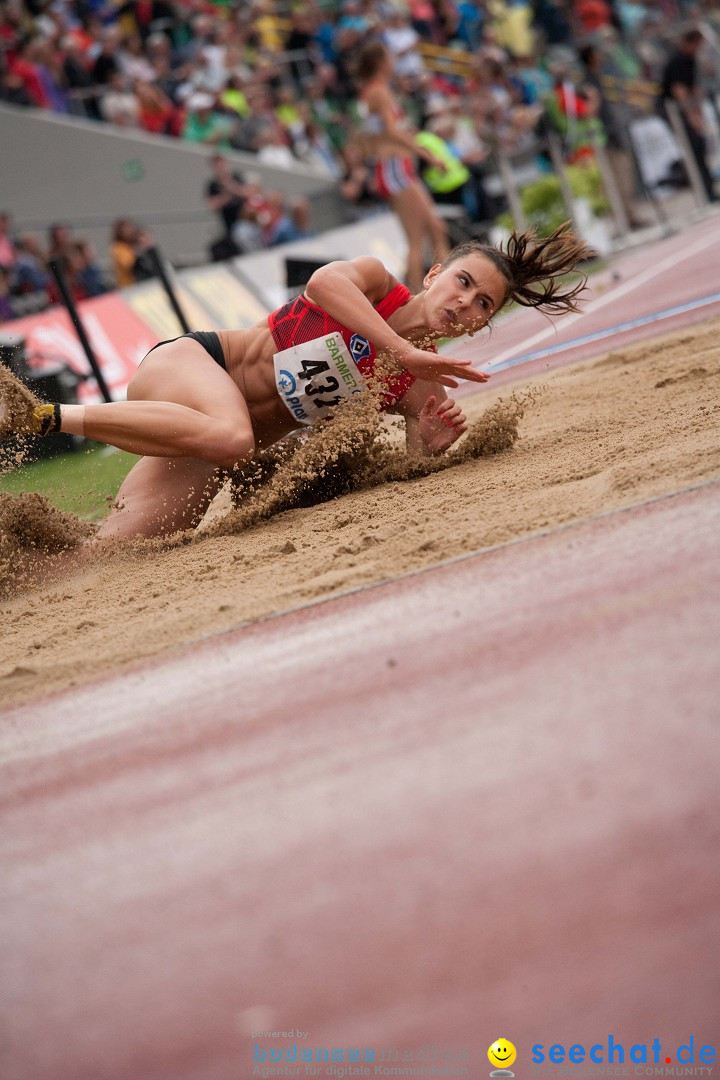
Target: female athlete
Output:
[{"x": 203, "y": 402}]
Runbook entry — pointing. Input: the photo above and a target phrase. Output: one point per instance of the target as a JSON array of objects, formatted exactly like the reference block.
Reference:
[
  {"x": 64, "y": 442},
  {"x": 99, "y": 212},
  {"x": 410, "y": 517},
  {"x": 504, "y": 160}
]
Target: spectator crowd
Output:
[{"x": 277, "y": 80}]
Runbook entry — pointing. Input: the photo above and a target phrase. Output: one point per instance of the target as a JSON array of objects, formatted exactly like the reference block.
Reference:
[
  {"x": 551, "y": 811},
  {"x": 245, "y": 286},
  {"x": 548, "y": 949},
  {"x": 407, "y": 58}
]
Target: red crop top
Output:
[{"x": 300, "y": 320}]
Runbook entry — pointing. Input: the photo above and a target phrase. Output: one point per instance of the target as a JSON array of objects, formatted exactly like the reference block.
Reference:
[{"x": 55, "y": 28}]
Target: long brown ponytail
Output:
[{"x": 534, "y": 268}]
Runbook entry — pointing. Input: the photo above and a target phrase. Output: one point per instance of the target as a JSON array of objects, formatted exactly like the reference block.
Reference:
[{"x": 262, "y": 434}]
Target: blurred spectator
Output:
[
  {"x": 290, "y": 223},
  {"x": 118, "y": 104},
  {"x": 13, "y": 89},
  {"x": 460, "y": 183},
  {"x": 225, "y": 194},
  {"x": 614, "y": 120},
  {"x": 591, "y": 16},
  {"x": 272, "y": 147},
  {"x": 30, "y": 273},
  {"x": 246, "y": 232},
  {"x": 106, "y": 64},
  {"x": 7, "y": 310},
  {"x": 357, "y": 184},
  {"x": 60, "y": 239},
  {"x": 156, "y": 112},
  {"x": 78, "y": 78},
  {"x": 144, "y": 268},
  {"x": 123, "y": 251},
  {"x": 403, "y": 40},
  {"x": 144, "y": 17},
  {"x": 7, "y": 248},
  {"x": 132, "y": 60},
  {"x": 314, "y": 149},
  {"x": 511, "y": 21},
  {"x": 85, "y": 270},
  {"x": 573, "y": 107},
  {"x": 552, "y": 22},
  {"x": 680, "y": 83},
  {"x": 204, "y": 125}
]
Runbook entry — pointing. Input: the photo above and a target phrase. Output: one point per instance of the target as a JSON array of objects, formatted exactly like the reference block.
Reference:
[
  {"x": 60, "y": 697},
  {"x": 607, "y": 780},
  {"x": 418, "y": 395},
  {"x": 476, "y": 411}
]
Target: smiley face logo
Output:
[{"x": 502, "y": 1053}]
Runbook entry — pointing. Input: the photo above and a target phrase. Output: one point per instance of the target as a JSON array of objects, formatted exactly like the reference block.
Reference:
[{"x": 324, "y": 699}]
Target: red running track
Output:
[
  {"x": 482, "y": 800},
  {"x": 475, "y": 802},
  {"x": 651, "y": 290}
]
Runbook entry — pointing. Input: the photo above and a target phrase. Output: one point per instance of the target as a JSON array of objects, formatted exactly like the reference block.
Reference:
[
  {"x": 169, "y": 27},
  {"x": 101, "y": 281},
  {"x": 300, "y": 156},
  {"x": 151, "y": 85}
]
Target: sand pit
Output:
[{"x": 611, "y": 432}]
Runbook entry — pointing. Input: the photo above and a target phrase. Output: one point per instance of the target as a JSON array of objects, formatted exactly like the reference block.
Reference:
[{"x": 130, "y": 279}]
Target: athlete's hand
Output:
[
  {"x": 441, "y": 425},
  {"x": 441, "y": 369}
]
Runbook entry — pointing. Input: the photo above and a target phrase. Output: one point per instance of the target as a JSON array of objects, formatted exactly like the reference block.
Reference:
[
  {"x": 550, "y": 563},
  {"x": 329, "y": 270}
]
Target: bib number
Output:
[{"x": 314, "y": 377}]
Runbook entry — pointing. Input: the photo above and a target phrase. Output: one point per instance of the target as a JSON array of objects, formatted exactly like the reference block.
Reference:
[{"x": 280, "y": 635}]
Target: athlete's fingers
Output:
[{"x": 461, "y": 371}]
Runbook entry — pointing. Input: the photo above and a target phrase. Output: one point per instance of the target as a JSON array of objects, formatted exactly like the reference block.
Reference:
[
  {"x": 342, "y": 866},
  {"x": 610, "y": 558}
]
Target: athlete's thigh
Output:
[
  {"x": 183, "y": 372},
  {"x": 410, "y": 209}
]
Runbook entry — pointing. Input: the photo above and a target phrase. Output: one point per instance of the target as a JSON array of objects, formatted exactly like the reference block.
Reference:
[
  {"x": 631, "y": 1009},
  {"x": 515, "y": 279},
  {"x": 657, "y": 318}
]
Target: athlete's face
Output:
[{"x": 464, "y": 295}]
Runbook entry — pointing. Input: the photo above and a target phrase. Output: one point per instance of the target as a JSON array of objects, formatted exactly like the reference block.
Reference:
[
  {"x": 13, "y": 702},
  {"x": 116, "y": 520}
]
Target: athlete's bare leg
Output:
[
  {"x": 418, "y": 218},
  {"x": 160, "y": 496},
  {"x": 181, "y": 403}
]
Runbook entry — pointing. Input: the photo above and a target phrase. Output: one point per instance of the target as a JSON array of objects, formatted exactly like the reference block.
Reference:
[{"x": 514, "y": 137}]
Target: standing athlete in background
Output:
[{"x": 393, "y": 148}]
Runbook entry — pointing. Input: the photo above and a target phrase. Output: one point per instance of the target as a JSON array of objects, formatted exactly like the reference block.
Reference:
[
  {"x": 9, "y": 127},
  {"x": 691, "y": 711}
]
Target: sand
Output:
[{"x": 578, "y": 442}]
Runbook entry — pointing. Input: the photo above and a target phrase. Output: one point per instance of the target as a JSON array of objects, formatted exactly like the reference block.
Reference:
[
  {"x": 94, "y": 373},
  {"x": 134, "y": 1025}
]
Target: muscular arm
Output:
[{"x": 348, "y": 290}]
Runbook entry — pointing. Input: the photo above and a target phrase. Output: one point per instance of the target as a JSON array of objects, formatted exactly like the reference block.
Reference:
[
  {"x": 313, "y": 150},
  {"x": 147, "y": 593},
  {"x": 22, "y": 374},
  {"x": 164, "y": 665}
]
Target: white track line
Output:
[{"x": 668, "y": 263}]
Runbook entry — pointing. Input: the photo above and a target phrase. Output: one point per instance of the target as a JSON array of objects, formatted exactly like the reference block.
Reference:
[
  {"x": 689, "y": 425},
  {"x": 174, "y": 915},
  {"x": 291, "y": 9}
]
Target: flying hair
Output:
[{"x": 534, "y": 268}]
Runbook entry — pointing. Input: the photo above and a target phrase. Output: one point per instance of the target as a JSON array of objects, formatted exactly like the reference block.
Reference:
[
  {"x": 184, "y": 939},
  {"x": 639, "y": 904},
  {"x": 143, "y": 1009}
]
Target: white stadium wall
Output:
[{"x": 85, "y": 173}]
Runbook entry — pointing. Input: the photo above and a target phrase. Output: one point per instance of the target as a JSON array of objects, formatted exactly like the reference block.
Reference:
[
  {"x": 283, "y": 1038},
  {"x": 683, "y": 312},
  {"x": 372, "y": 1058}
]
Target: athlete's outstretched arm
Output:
[{"x": 348, "y": 290}]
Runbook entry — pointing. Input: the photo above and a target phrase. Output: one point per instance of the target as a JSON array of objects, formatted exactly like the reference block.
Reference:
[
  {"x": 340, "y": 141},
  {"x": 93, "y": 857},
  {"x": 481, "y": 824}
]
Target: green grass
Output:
[{"x": 83, "y": 482}]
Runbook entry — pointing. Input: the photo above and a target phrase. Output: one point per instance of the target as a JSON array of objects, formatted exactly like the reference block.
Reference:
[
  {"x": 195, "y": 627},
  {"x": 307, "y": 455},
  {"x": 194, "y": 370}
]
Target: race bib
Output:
[{"x": 314, "y": 377}]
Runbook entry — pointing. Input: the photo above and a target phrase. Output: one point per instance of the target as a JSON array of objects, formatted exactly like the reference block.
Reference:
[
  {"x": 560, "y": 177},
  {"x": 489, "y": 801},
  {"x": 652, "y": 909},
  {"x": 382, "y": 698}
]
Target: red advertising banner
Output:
[{"x": 118, "y": 336}]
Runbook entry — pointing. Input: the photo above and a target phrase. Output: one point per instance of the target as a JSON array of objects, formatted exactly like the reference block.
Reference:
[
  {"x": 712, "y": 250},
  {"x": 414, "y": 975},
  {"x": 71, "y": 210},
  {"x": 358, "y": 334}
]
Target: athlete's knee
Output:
[{"x": 233, "y": 448}]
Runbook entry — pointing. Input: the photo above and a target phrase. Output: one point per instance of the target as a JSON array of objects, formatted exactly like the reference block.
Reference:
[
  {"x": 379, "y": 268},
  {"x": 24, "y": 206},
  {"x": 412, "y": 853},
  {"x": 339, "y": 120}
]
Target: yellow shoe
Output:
[{"x": 45, "y": 418}]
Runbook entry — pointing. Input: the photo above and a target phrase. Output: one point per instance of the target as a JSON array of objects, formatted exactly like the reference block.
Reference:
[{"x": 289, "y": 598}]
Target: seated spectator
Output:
[
  {"x": 24, "y": 64},
  {"x": 357, "y": 184},
  {"x": 84, "y": 269},
  {"x": 591, "y": 16},
  {"x": 402, "y": 41},
  {"x": 60, "y": 240},
  {"x": 78, "y": 78},
  {"x": 461, "y": 182},
  {"x": 132, "y": 60},
  {"x": 156, "y": 112},
  {"x": 144, "y": 268},
  {"x": 272, "y": 147},
  {"x": 106, "y": 64},
  {"x": 118, "y": 104},
  {"x": 7, "y": 247},
  {"x": 145, "y": 17},
  {"x": 123, "y": 251},
  {"x": 30, "y": 273},
  {"x": 12, "y": 88},
  {"x": 204, "y": 125},
  {"x": 246, "y": 233},
  {"x": 315, "y": 150},
  {"x": 291, "y": 223},
  {"x": 7, "y": 310}
]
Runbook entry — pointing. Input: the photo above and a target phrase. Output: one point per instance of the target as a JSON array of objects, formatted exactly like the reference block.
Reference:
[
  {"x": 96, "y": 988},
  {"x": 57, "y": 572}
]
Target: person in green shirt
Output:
[{"x": 204, "y": 125}]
